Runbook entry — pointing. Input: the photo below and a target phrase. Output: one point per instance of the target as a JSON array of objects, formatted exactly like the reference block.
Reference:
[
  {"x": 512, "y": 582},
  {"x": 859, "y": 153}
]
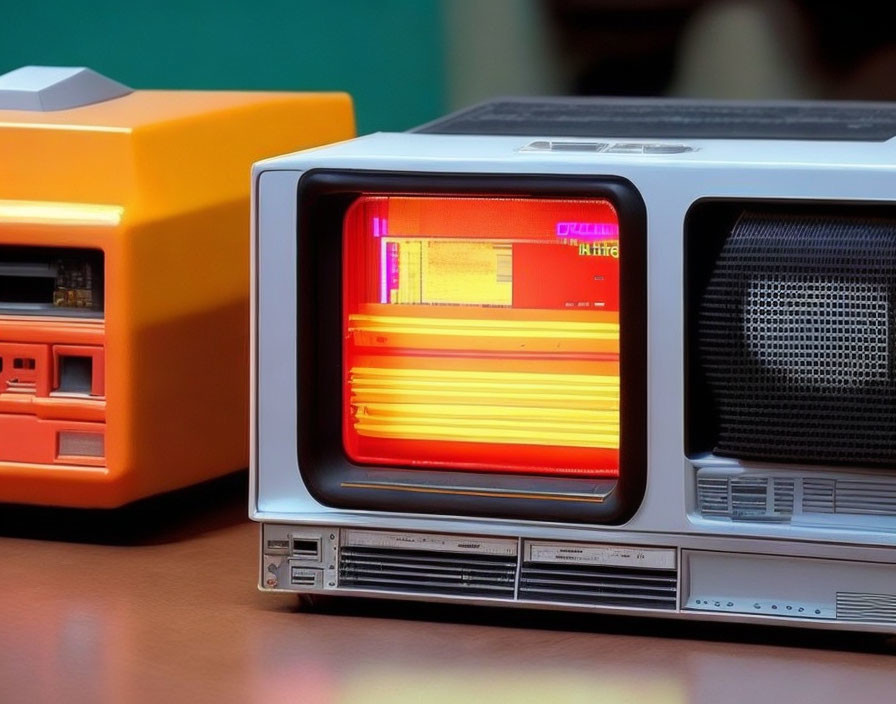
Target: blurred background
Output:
[{"x": 409, "y": 61}]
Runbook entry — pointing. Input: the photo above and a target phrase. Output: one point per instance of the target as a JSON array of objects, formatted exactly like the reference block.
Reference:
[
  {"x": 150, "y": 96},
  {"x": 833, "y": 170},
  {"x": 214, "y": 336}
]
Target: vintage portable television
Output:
[
  {"x": 124, "y": 279},
  {"x": 625, "y": 356}
]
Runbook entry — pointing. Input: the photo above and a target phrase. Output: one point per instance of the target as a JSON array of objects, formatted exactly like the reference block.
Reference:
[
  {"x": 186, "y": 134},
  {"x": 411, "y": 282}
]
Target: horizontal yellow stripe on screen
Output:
[
  {"x": 576, "y": 410},
  {"x": 521, "y": 413},
  {"x": 463, "y": 428},
  {"x": 460, "y": 416},
  {"x": 369, "y": 385},
  {"x": 478, "y": 327},
  {"x": 504, "y": 398},
  {"x": 487, "y": 435},
  {"x": 503, "y": 377}
]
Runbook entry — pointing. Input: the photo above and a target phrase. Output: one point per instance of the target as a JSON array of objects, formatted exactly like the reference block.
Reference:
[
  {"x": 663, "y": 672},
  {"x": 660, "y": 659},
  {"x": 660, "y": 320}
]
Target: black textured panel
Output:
[
  {"x": 427, "y": 571},
  {"x": 598, "y": 585},
  {"x": 664, "y": 118},
  {"x": 797, "y": 340}
]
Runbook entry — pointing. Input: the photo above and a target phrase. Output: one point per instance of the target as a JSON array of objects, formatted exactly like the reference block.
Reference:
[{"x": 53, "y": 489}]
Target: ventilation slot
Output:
[
  {"x": 429, "y": 572},
  {"x": 745, "y": 498},
  {"x": 818, "y": 495},
  {"x": 865, "y": 497},
  {"x": 849, "y": 496},
  {"x": 853, "y": 606},
  {"x": 783, "y": 496},
  {"x": 712, "y": 496},
  {"x": 749, "y": 497},
  {"x": 604, "y": 586}
]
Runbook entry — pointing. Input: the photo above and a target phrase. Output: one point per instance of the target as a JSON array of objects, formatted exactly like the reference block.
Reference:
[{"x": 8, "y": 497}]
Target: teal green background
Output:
[{"x": 389, "y": 54}]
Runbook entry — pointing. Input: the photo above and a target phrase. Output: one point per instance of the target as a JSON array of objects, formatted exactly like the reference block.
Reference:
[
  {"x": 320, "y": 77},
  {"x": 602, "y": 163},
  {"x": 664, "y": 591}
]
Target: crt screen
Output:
[{"x": 482, "y": 333}]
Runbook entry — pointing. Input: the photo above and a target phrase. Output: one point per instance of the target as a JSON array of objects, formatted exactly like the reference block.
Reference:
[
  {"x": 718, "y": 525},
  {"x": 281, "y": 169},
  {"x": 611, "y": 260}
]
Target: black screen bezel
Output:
[{"x": 323, "y": 199}]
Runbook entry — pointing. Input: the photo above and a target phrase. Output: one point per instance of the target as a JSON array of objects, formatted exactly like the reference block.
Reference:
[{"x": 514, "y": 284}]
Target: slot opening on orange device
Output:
[
  {"x": 79, "y": 370},
  {"x": 482, "y": 334},
  {"x": 51, "y": 281}
]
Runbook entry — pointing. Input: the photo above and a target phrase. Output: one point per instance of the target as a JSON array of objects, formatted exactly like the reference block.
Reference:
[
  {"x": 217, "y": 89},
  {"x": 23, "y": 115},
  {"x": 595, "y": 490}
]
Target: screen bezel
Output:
[{"x": 332, "y": 478}]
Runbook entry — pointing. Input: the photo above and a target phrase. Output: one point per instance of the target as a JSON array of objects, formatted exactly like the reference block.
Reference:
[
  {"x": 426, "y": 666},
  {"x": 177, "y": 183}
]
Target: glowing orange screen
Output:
[{"x": 482, "y": 333}]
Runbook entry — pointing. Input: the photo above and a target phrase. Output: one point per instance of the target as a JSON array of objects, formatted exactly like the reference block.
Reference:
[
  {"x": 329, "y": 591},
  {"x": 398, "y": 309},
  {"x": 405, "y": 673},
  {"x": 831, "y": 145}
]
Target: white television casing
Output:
[{"x": 815, "y": 563}]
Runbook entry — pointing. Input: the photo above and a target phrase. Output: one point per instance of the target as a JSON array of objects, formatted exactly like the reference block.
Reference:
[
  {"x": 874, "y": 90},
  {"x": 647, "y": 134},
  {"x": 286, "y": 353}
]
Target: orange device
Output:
[{"x": 124, "y": 279}]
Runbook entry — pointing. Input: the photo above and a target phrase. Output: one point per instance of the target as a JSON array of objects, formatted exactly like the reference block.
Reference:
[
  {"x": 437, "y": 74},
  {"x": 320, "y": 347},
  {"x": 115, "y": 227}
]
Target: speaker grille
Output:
[
  {"x": 796, "y": 339},
  {"x": 860, "y": 607}
]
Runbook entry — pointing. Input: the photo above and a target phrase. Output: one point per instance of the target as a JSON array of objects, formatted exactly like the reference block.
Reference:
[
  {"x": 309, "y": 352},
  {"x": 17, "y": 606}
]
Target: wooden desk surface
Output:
[{"x": 158, "y": 604}]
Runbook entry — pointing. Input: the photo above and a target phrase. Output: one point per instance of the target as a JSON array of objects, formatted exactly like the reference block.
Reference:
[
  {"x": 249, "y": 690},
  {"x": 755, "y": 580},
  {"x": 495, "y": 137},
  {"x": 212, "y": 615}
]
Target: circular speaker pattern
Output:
[
  {"x": 797, "y": 340},
  {"x": 819, "y": 332}
]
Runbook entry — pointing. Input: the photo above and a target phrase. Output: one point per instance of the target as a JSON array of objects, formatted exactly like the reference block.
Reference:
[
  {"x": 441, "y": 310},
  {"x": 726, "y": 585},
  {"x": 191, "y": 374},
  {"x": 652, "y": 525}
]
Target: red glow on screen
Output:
[{"x": 482, "y": 333}]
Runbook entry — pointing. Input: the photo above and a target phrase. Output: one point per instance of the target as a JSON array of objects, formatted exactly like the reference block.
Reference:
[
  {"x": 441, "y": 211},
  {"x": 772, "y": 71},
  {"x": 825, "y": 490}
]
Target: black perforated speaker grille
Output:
[{"x": 797, "y": 340}]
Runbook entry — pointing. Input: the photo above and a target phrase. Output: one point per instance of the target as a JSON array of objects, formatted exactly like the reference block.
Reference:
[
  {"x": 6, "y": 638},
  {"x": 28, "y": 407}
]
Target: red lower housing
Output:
[{"x": 52, "y": 392}]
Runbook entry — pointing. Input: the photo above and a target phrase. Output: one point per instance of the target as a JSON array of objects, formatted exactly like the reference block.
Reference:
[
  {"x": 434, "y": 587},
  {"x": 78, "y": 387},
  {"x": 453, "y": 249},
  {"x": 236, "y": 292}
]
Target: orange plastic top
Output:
[{"x": 155, "y": 151}]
